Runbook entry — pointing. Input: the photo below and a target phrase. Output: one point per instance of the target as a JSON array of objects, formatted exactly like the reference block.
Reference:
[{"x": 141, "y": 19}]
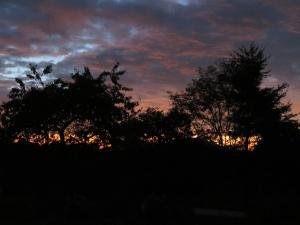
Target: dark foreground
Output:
[{"x": 182, "y": 184}]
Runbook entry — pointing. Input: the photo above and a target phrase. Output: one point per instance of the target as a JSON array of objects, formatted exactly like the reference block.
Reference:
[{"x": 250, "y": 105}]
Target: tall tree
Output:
[
  {"x": 228, "y": 104},
  {"x": 257, "y": 111}
]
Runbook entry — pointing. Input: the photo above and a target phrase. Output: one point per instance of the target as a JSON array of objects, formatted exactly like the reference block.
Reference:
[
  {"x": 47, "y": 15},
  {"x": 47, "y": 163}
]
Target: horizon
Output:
[{"x": 159, "y": 43}]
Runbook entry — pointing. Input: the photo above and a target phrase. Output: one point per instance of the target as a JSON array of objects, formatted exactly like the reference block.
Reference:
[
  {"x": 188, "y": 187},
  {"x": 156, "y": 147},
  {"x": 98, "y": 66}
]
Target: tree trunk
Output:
[
  {"x": 62, "y": 136},
  {"x": 246, "y": 146}
]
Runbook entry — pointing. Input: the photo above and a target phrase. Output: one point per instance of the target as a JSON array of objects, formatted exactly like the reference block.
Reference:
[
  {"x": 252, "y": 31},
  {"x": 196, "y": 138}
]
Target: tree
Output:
[
  {"x": 229, "y": 106},
  {"x": 85, "y": 107},
  {"x": 154, "y": 126},
  {"x": 257, "y": 111},
  {"x": 28, "y": 109},
  {"x": 157, "y": 126},
  {"x": 206, "y": 100}
]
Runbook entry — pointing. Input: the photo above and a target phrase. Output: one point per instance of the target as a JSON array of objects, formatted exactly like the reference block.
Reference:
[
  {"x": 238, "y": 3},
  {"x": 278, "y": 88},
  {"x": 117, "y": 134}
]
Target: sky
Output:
[{"x": 160, "y": 43}]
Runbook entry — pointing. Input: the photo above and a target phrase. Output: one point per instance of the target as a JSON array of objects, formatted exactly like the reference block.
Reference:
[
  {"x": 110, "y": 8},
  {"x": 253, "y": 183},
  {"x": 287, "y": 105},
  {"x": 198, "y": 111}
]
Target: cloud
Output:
[{"x": 160, "y": 43}]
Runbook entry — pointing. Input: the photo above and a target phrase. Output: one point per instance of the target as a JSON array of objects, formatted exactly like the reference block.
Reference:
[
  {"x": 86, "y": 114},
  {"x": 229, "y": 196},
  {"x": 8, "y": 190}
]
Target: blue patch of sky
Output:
[
  {"x": 133, "y": 31},
  {"x": 183, "y": 2},
  {"x": 43, "y": 58},
  {"x": 86, "y": 48},
  {"x": 19, "y": 70}
]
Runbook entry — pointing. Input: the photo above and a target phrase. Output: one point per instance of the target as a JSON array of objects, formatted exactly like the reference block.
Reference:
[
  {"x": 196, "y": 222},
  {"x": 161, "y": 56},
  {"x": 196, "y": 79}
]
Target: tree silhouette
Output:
[
  {"x": 83, "y": 108},
  {"x": 228, "y": 105},
  {"x": 207, "y": 102},
  {"x": 163, "y": 127},
  {"x": 153, "y": 126},
  {"x": 28, "y": 109},
  {"x": 256, "y": 110}
]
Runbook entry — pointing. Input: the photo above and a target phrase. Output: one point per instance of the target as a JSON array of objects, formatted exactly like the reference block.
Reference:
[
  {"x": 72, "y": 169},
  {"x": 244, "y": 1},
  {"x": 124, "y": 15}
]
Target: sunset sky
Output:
[{"x": 160, "y": 43}]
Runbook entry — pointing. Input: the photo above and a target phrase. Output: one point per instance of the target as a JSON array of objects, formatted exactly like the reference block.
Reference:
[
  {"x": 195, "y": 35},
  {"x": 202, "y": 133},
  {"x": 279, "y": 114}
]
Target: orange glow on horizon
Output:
[{"x": 54, "y": 137}]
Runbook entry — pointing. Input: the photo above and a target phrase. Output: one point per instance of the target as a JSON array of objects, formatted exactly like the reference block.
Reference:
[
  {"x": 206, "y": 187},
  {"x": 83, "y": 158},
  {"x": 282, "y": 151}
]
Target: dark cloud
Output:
[{"x": 160, "y": 43}]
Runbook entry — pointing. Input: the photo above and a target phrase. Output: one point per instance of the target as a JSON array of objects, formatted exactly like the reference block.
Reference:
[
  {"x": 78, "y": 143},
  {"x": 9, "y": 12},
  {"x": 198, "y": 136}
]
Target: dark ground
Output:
[{"x": 157, "y": 184}]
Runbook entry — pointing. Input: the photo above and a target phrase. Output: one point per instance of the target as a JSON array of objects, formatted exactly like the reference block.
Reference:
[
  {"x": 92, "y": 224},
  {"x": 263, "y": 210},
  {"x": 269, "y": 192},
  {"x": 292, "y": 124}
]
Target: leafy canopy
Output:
[
  {"x": 228, "y": 105},
  {"x": 80, "y": 110}
]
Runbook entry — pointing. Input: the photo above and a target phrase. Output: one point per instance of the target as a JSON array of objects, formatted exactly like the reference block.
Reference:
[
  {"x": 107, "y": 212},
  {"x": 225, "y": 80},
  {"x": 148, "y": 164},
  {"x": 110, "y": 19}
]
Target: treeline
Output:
[{"x": 225, "y": 105}]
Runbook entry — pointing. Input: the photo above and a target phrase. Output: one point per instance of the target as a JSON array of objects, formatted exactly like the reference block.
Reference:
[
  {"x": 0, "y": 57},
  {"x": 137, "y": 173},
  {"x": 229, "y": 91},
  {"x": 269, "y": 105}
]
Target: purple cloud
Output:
[{"x": 160, "y": 43}]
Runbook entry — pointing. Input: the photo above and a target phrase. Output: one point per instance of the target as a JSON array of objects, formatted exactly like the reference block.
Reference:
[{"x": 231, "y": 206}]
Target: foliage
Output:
[
  {"x": 40, "y": 109},
  {"x": 207, "y": 103},
  {"x": 228, "y": 104},
  {"x": 225, "y": 105},
  {"x": 158, "y": 126}
]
